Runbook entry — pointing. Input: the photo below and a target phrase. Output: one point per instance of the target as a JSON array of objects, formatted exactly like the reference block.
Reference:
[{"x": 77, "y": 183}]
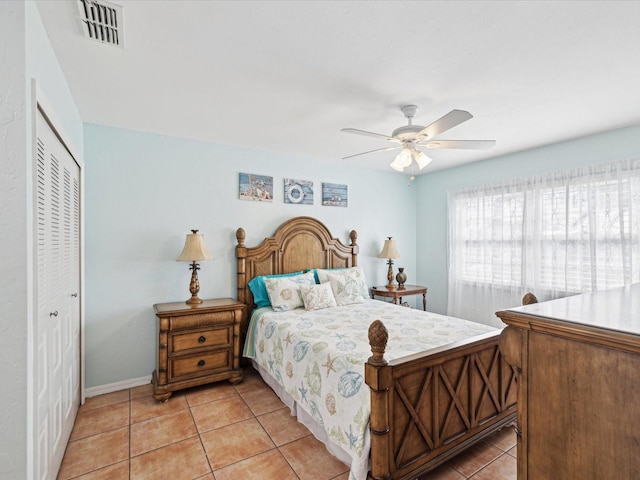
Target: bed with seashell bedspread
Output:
[{"x": 392, "y": 391}]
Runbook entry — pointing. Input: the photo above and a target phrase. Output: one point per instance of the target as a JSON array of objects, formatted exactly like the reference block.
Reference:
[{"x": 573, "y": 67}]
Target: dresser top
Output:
[
  {"x": 617, "y": 310},
  {"x": 185, "y": 308}
]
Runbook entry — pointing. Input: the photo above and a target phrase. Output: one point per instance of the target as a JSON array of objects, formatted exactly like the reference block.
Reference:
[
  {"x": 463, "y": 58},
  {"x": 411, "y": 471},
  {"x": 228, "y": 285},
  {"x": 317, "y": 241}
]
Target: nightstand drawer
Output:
[
  {"x": 200, "y": 320},
  {"x": 197, "y": 364},
  {"x": 181, "y": 342}
]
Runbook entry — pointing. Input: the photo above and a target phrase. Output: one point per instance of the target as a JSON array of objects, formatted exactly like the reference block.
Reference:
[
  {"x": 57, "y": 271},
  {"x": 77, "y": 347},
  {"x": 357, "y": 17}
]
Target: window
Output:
[{"x": 557, "y": 234}]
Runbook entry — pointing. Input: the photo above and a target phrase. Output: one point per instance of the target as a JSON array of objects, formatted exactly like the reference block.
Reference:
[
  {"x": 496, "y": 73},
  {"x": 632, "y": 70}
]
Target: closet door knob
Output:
[
  {"x": 53, "y": 314},
  {"x": 74, "y": 294}
]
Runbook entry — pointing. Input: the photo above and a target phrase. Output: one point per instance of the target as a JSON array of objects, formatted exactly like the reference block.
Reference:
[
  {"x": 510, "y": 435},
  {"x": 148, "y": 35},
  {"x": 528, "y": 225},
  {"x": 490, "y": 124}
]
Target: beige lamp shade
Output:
[
  {"x": 194, "y": 248},
  {"x": 389, "y": 249}
]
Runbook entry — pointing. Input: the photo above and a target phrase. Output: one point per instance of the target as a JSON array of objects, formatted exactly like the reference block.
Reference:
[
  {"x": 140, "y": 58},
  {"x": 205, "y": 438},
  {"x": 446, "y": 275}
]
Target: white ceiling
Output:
[{"x": 286, "y": 76}]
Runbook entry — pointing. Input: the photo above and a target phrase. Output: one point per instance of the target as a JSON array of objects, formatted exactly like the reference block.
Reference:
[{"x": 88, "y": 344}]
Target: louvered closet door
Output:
[{"x": 57, "y": 335}]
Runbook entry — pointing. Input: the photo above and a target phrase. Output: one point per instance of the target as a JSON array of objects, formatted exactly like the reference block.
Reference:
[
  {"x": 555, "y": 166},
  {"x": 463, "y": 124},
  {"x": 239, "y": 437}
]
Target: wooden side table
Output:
[
  {"x": 197, "y": 344},
  {"x": 397, "y": 293}
]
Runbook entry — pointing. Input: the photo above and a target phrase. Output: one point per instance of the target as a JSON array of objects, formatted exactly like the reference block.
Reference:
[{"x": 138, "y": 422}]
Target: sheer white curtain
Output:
[{"x": 554, "y": 235}]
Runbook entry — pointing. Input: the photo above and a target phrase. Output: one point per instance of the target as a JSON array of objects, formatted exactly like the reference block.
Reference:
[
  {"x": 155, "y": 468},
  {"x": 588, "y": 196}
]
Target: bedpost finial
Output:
[
  {"x": 378, "y": 337},
  {"x": 529, "y": 298},
  {"x": 240, "y": 236},
  {"x": 354, "y": 237}
]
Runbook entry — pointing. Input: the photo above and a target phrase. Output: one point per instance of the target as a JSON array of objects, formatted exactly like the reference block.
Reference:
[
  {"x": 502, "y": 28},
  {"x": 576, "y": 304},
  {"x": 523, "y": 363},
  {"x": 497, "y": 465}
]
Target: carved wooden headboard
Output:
[{"x": 301, "y": 243}]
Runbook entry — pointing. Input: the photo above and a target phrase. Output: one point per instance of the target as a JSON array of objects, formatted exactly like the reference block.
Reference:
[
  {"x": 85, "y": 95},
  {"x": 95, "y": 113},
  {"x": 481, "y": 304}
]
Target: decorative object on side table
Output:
[
  {"x": 390, "y": 252},
  {"x": 401, "y": 277},
  {"x": 194, "y": 250}
]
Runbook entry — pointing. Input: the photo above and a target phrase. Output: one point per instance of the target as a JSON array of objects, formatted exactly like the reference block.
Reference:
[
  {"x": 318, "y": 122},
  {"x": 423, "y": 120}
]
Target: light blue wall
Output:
[
  {"x": 145, "y": 192},
  {"x": 432, "y": 189}
]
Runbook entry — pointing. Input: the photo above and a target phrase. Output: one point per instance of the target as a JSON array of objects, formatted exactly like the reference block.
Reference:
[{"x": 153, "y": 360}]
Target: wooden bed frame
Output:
[{"x": 425, "y": 408}]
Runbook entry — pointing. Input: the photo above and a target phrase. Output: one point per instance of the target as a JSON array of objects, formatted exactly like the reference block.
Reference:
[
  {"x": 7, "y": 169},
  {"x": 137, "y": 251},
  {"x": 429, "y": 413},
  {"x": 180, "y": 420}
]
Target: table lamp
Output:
[
  {"x": 194, "y": 250},
  {"x": 389, "y": 252}
]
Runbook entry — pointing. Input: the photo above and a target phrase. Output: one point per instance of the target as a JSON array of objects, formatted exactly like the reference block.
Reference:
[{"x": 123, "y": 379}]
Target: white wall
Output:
[
  {"x": 145, "y": 192},
  {"x": 432, "y": 224},
  {"x": 25, "y": 54},
  {"x": 13, "y": 254}
]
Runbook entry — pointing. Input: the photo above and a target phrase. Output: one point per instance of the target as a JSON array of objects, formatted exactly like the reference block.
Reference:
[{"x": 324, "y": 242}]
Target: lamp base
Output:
[
  {"x": 194, "y": 300},
  {"x": 390, "y": 284},
  {"x": 194, "y": 285}
]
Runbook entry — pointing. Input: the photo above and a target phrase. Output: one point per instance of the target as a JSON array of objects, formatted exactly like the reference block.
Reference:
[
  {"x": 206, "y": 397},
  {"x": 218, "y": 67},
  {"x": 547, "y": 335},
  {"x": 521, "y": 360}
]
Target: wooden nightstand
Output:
[
  {"x": 398, "y": 293},
  {"x": 197, "y": 344}
]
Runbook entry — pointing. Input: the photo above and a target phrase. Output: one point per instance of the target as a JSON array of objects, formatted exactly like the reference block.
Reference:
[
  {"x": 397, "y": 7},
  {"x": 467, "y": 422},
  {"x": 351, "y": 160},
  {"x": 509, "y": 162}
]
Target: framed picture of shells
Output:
[{"x": 257, "y": 188}]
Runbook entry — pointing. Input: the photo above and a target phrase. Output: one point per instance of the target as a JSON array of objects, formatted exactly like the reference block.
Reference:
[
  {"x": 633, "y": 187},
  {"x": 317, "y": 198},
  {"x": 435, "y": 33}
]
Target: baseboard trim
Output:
[{"x": 114, "y": 387}]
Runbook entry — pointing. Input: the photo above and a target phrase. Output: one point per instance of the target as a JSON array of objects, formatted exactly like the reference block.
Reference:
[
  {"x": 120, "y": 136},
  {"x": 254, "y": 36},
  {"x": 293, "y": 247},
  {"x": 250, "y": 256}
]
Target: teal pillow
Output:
[{"x": 259, "y": 289}]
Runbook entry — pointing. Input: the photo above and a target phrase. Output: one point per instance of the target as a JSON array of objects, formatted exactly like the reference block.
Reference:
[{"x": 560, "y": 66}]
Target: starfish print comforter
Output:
[{"x": 318, "y": 357}]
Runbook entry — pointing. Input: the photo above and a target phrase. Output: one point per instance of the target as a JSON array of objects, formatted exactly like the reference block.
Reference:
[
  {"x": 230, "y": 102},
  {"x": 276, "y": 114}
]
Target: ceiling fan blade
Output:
[
  {"x": 461, "y": 144},
  {"x": 450, "y": 120},
  {"x": 385, "y": 149},
  {"x": 370, "y": 134}
]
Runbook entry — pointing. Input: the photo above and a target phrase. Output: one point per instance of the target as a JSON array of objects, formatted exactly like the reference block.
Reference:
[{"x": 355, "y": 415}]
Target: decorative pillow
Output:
[
  {"x": 316, "y": 297},
  {"x": 346, "y": 287},
  {"x": 322, "y": 277},
  {"x": 284, "y": 293},
  {"x": 321, "y": 273},
  {"x": 259, "y": 291}
]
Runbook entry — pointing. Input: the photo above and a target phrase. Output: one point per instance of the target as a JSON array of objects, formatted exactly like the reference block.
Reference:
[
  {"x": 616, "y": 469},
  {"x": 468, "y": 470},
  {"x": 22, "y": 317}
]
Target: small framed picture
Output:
[
  {"x": 299, "y": 192},
  {"x": 334, "y": 195},
  {"x": 257, "y": 188}
]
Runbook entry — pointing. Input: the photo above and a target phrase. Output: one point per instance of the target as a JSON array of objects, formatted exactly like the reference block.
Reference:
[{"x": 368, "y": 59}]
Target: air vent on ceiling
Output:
[{"x": 102, "y": 21}]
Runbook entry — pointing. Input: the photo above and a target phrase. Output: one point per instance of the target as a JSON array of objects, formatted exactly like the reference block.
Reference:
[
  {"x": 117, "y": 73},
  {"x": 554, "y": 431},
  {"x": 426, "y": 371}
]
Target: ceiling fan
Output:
[{"x": 410, "y": 136}]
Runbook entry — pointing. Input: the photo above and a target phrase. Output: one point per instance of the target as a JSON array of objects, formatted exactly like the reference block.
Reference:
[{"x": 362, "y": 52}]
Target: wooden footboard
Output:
[{"x": 428, "y": 407}]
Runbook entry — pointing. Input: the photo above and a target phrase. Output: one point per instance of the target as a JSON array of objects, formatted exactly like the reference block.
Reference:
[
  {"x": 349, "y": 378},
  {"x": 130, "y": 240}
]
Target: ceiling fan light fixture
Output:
[
  {"x": 404, "y": 159},
  {"x": 396, "y": 166},
  {"x": 421, "y": 159}
]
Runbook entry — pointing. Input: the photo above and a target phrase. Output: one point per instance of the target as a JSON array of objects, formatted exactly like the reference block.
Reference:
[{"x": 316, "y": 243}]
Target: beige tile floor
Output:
[{"x": 227, "y": 432}]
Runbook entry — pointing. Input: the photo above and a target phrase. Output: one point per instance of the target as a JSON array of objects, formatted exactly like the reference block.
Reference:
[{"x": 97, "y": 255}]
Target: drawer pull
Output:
[
  {"x": 202, "y": 339},
  {"x": 201, "y": 363}
]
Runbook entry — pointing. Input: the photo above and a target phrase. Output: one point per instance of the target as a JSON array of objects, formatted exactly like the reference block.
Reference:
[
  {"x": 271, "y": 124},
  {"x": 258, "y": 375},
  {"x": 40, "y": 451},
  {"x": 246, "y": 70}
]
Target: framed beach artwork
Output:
[
  {"x": 299, "y": 192},
  {"x": 334, "y": 195},
  {"x": 257, "y": 188}
]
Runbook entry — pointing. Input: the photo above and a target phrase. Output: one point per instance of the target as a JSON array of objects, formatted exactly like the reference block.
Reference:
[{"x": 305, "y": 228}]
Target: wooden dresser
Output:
[
  {"x": 578, "y": 365},
  {"x": 197, "y": 344}
]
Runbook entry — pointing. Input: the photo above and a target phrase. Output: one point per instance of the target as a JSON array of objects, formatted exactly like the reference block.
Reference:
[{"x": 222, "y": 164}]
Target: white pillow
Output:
[
  {"x": 358, "y": 272},
  {"x": 284, "y": 292},
  {"x": 316, "y": 297},
  {"x": 346, "y": 287}
]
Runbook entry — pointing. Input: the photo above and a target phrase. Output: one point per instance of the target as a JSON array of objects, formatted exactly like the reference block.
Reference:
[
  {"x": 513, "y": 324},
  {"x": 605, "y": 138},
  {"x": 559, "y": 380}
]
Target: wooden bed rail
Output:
[{"x": 427, "y": 408}]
